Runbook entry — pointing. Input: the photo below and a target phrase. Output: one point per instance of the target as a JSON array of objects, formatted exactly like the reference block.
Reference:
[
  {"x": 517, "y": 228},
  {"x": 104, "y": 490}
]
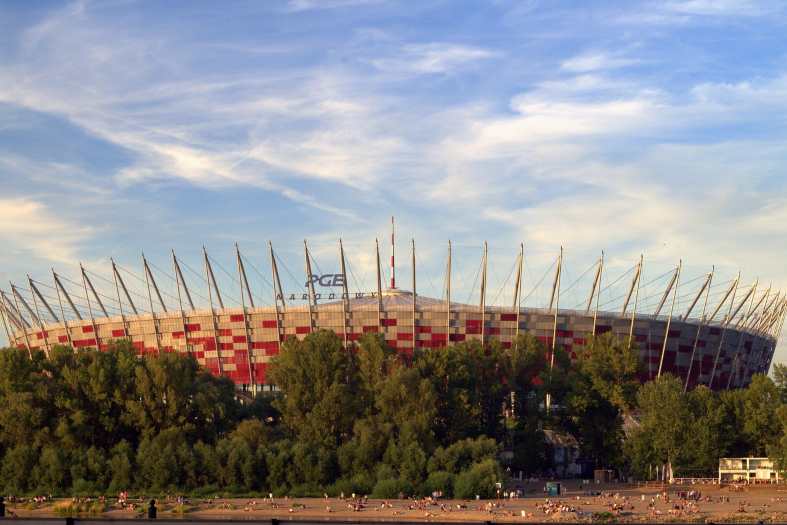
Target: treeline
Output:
[{"x": 369, "y": 421}]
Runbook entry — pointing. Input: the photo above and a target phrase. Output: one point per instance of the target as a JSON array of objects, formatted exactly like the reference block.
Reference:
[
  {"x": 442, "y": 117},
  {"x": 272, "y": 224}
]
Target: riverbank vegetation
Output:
[{"x": 367, "y": 421}]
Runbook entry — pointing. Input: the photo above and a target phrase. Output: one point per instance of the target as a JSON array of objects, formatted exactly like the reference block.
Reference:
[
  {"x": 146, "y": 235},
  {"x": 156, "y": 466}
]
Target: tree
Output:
[
  {"x": 121, "y": 467},
  {"x": 780, "y": 379},
  {"x": 611, "y": 367},
  {"x": 18, "y": 462},
  {"x": 452, "y": 374},
  {"x": 318, "y": 380},
  {"x": 708, "y": 436},
  {"x": 165, "y": 461},
  {"x": 50, "y": 473},
  {"x": 480, "y": 479},
  {"x": 172, "y": 392},
  {"x": 761, "y": 424},
  {"x": 664, "y": 430},
  {"x": 602, "y": 387},
  {"x": 461, "y": 455}
]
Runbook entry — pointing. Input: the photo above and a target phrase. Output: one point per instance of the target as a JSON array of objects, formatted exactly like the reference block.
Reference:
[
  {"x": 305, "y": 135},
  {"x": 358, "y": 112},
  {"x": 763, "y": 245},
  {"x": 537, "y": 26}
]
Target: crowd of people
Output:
[{"x": 512, "y": 504}]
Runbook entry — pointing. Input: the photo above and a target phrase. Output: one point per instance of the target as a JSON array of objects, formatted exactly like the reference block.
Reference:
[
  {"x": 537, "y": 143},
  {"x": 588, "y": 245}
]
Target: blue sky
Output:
[{"x": 634, "y": 127}]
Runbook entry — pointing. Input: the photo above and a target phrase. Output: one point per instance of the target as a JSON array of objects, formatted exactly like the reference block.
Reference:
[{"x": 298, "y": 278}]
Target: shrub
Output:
[
  {"x": 388, "y": 488},
  {"x": 440, "y": 481},
  {"x": 478, "y": 479}
]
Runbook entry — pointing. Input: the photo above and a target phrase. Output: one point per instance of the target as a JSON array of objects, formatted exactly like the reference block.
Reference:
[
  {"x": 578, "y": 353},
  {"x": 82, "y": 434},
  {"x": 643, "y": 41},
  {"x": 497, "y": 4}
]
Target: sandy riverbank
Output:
[{"x": 624, "y": 503}]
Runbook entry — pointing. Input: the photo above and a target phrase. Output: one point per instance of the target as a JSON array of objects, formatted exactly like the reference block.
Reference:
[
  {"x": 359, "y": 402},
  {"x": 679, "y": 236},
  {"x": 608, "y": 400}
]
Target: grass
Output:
[
  {"x": 70, "y": 508},
  {"x": 603, "y": 517}
]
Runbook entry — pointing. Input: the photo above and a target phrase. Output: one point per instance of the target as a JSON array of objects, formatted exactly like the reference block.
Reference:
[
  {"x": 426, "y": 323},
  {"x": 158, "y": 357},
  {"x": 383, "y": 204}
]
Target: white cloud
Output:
[
  {"x": 595, "y": 61},
  {"x": 720, "y": 7},
  {"x": 30, "y": 227},
  {"x": 307, "y": 5},
  {"x": 432, "y": 58},
  {"x": 254, "y": 129}
]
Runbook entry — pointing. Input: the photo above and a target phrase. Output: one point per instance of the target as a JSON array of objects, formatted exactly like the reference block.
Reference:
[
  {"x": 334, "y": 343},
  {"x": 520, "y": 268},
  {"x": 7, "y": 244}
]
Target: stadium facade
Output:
[{"x": 720, "y": 345}]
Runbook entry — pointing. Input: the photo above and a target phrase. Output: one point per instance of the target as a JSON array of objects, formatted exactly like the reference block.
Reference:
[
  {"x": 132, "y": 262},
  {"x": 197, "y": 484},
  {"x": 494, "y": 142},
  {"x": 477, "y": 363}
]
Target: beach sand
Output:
[{"x": 623, "y": 503}]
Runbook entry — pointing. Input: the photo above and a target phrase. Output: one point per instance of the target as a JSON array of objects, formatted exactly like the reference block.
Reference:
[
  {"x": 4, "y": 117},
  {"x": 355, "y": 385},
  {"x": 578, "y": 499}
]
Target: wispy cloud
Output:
[
  {"x": 722, "y": 7},
  {"x": 322, "y": 129},
  {"x": 565, "y": 127},
  {"x": 432, "y": 58},
  {"x": 28, "y": 227},
  {"x": 306, "y": 5},
  {"x": 595, "y": 61}
]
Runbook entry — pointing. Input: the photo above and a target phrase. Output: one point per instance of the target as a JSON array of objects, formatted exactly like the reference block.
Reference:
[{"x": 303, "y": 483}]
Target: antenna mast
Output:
[{"x": 393, "y": 250}]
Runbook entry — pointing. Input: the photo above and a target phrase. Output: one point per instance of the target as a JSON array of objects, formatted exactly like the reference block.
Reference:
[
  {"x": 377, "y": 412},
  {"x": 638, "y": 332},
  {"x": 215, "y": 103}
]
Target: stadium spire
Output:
[{"x": 393, "y": 250}]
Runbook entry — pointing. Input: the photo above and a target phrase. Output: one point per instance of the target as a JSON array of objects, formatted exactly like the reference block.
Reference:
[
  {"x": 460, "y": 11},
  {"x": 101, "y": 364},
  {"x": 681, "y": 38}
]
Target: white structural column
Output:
[
  {"x": 774, "y": 319},
  {"x": 122, "y": 283},
  {"x": 746, "y": 297},
  {"x": 741, "y": 334},
  {"x": 597, "y": 286},
  {"x": 768, "y": 320},
  {"x": 120, "y": 302},
  {"x": 750, "y": 325},
  {"x": 636, "y": 300},
  {"x": 90, "y": 309},
  {"x": 676, "y": 281},
  {"x": 37, "y": 293},
  {"x": 211, "y": 281},
  {"x": 148, "y": 279},
  {"x": 634, "y": 283},
  {"x": 93, "y": 290},
  {"x": 11, "y": 341},
  {"x": 13, "y": 316},
  {"x": 345, "y": 294},
  {"x": 244, "y": 280},
  {"x": 393, "y": 251},
  {"x": 666, "y": 293},
  {"x": 414, "y": 306},
  {"x": 59, "y": 286},
  {"x": 706, "y": 289},
  {"x": 24, "y": 329},
  {"x": 18, "y": 296},
  {"x": 725, "y": 323},
  {"x": 732, "y": 287},
  {"x": 482, "y": 306},
  {"x": 63, "y": 312},
  {"x": 379, "y": 290},
  {"x": 448, "y": 297},
  {"x": 244, "y": 287},
  {"x": 278, "y": 294},
  {"x": 178, "y": 276},
  {"x": 310, "y": 285},
  {"x": 180, "y": 281},
  {"x": 745, "y": 321},
  {"x": 44, "y": 334},
  {"x": 10, "y": 316},
  {"x": 152, "y": 282},
  {"x": 555, "y": 301},
  {"x": 214, "y": 321},
  {"x": 518, "y": 287},
  {"x": 705, "y": 285}
]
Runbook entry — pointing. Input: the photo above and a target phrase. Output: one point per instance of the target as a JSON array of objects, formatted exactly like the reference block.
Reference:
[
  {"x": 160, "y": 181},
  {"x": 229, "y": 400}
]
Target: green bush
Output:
[
  {"x": 440, "y": 481},
  {"x": 205, "y": 491},
  {"x": 388, "y": 488},
  {"x": 479, "y": 479}
]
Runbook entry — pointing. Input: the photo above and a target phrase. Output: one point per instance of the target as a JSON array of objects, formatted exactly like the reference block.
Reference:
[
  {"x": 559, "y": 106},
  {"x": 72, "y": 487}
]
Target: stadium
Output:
[{"x": 720, "y": 343}]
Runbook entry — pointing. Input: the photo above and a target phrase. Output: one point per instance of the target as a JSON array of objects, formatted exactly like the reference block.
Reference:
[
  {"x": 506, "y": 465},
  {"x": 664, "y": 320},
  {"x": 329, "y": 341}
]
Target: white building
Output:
[{"x": 748, "y": 470}]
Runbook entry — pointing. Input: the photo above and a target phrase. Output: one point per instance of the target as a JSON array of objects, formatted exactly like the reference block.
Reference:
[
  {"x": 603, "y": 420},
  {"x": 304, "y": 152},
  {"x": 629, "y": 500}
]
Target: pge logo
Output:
[{"x": 327, "y": 280}]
